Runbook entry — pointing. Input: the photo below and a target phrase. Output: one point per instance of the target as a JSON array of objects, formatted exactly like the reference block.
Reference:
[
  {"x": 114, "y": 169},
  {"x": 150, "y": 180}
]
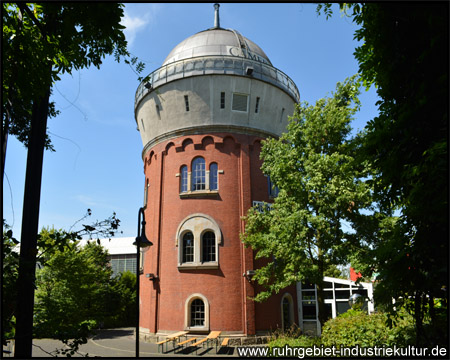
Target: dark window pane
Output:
[
  {"x": 342, "y": 294},
  {"x": 197, "y": 313},
  {"x": 309, "y": 310},
  {"x": 209, "y": 247},
  {"x": 188, "y": 247},
  {"x": 342, "y": 307},
  {"x": 213, "y": 177}
]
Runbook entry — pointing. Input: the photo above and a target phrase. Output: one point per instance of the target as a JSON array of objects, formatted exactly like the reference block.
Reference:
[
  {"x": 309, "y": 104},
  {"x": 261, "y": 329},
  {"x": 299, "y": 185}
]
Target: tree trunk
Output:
[
  {"x": 418, "y": 318},
  {"x": 30, "y": 223},
  {"x": 320, "y": 285}
]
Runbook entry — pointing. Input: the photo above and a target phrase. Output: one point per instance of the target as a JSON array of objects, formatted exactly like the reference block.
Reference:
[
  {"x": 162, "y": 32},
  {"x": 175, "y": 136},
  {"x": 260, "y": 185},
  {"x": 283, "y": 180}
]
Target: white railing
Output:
[{"x": 204, "y": 65}]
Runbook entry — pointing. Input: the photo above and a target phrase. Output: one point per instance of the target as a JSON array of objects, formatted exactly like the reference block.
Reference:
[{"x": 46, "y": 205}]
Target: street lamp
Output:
[{"x": 141, "y": 241}]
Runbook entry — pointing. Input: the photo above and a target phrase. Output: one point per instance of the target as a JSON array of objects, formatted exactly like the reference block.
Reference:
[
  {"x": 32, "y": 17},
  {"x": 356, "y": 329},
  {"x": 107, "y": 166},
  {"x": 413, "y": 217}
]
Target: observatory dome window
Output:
[
  {"x": 222, "y": 100},
  {"x": 240, "y": 102}
]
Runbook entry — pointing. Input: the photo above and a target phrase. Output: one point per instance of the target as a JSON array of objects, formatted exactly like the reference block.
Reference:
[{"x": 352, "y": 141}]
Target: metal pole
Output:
[{"x": 138, "y": 244}]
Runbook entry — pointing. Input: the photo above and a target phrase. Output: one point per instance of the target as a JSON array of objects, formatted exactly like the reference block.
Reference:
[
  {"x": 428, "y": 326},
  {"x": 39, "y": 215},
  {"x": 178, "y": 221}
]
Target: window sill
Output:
[
  {"x": 197, "y": 329},
  {"x": 199, "y": 266},
  {"x": 199, "y": 193}
]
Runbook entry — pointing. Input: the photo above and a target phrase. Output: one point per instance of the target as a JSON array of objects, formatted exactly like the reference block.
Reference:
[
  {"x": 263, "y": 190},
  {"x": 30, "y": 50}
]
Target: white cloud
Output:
[{"x": 134, "y": 24}]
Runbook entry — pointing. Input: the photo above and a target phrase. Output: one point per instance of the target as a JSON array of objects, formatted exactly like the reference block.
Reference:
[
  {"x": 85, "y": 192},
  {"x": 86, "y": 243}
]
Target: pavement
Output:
[{"x": 121, "y": 343}]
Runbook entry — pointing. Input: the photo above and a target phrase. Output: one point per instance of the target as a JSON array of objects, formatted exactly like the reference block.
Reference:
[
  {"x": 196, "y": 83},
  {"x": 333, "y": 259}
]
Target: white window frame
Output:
[
  {"x": 350, "y": 285},
  {"x": 207, "y": 191},
  {"x": 198, "y": 224},
  {"x": 232, "y": 103},
  {"x": 187, "y": 313}
]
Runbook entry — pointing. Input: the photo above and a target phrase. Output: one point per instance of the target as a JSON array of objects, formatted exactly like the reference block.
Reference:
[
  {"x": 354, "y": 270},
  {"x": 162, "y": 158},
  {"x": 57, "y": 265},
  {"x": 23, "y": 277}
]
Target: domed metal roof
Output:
[{"x": 217, "y": 41}]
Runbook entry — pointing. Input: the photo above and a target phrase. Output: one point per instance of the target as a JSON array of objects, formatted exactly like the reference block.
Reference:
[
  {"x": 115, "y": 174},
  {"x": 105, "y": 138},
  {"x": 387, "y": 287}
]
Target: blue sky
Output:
[{"x": 98, "y": 163}]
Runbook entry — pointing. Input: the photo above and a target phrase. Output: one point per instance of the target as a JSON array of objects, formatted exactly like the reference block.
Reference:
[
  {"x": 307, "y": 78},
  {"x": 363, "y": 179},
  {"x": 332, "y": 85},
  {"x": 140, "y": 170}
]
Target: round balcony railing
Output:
[{"x": 206, "y": 65}]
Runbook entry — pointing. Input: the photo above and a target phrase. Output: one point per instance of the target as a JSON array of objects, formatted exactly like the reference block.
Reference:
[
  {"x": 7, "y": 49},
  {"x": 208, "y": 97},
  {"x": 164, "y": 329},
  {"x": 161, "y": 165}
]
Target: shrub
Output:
[
  {"x": 356, "y": 327},
  {"x": 292, "y": 337}
]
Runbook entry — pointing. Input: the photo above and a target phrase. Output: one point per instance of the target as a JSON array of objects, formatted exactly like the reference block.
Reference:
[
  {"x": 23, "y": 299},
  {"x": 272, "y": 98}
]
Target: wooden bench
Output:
[
  {"x": 171, "y": 337},
  {"x": 185, "y": 342},
  {"x": 225, "y": 342},
  {"x": 161, "y": 343}
]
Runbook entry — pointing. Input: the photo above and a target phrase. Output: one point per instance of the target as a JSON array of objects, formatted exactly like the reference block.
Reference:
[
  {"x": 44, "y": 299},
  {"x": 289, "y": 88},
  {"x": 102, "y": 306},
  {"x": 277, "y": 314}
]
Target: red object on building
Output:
[
  {"x": 353, "y": 275},
  {"x": 202, "y": 117}
]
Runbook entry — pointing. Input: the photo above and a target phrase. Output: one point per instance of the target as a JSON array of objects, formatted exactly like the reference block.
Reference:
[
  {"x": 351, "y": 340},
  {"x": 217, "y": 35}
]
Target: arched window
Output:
[
  {"x": 198, "y": 174},
  {"x": 213, "y": 183},
  {"x": 208, "y": 246},
  {"x": 184, "y": 179},
  {"x": 188, "y": 247},
  {"x": 287, "y": 311},
  {"x": 198, "y": 238},
  {"x": 197, "y": 313}
]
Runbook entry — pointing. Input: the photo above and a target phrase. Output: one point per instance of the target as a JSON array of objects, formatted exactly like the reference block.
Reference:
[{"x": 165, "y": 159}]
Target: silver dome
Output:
[{"x": 217, "y": 41}]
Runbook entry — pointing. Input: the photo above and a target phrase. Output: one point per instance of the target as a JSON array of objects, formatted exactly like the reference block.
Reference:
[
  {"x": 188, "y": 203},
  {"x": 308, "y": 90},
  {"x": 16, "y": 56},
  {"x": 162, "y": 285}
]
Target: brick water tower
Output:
[{"x": 202, "y": 116}]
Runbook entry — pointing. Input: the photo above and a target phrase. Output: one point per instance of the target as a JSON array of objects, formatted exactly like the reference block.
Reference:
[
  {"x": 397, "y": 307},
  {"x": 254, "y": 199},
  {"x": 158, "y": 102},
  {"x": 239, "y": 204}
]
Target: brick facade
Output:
[{"x": 165, "y": 302}]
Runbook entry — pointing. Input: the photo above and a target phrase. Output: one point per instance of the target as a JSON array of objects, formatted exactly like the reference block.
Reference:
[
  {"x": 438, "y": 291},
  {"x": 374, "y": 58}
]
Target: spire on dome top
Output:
[{"x": 216, "y": 16}]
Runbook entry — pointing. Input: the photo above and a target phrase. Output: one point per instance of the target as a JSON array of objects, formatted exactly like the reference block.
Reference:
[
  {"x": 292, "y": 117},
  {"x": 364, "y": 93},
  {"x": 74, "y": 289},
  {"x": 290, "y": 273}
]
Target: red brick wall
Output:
[{"x": 163, "y": 301}]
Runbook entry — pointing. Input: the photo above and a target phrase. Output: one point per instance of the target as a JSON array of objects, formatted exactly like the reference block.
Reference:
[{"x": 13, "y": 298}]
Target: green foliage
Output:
[
  {"x": 321, "y": 185},
  {"x": 356, "y": 327},
  {"x": 73, "y": 287},
  {"x": 291, "y": 338},
  {"x": 53, "y": 243},
  {"x": 404, "y": 53},
  {"x": 43, "y": 40},
  {"x": 10, "y": 266},
  {"x": 123, "y": 301}
]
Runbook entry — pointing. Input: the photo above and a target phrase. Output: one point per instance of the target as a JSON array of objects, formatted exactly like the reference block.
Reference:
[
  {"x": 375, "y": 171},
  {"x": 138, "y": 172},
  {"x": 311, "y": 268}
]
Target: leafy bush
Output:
[
  {"x": 123, "y": 301},
  {"x": 356, "y": 327},
  {"x": 292, "y": 337}
]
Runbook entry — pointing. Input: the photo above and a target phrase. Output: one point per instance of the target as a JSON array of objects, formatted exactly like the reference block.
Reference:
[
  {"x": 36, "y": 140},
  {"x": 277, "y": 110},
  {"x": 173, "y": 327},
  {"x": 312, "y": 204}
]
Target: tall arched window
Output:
[
  {"x": 188, "y": 247},
  {"x": 198, "y": 174},
  {"x": 197, "y": 313},
  {"x": 208, "y": 246},
  {"x": 184, "y": 179},
  {"x": 213, "y": 183},
  {"x": 287, "y": 311}
]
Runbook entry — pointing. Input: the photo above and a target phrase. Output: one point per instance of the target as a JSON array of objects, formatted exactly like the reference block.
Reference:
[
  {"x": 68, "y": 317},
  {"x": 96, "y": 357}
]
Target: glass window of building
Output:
[
  {"x": 208, "y": 246},
  {"x": 240, "y": 102},
  {"x": 198, "y": 174},
  {"x": 213, "y": 180},
  {"x": 184, "y": 179},
  {"x": 197, "y": 313},
  {"x": 188, "y": 247}
]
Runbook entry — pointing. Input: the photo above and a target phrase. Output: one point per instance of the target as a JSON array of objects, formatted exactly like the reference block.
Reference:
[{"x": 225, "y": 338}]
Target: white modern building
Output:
[
  {"x": 122, "y": 253},
  {"x": 336, "y": 293}
]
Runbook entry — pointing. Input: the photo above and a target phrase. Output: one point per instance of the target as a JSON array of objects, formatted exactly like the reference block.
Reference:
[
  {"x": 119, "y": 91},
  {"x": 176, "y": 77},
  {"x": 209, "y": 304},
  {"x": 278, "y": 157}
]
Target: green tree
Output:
[
  {"x": 124, "y": 287},
  {"x": 321, "y": 194},
  {"x": 73, "y": 287},
  {"x": 50, "y": 242},
  {"x": 404, "y": 52},
  {"x": 41, "y": 41},
  {"x": 10, "y": 267}
]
